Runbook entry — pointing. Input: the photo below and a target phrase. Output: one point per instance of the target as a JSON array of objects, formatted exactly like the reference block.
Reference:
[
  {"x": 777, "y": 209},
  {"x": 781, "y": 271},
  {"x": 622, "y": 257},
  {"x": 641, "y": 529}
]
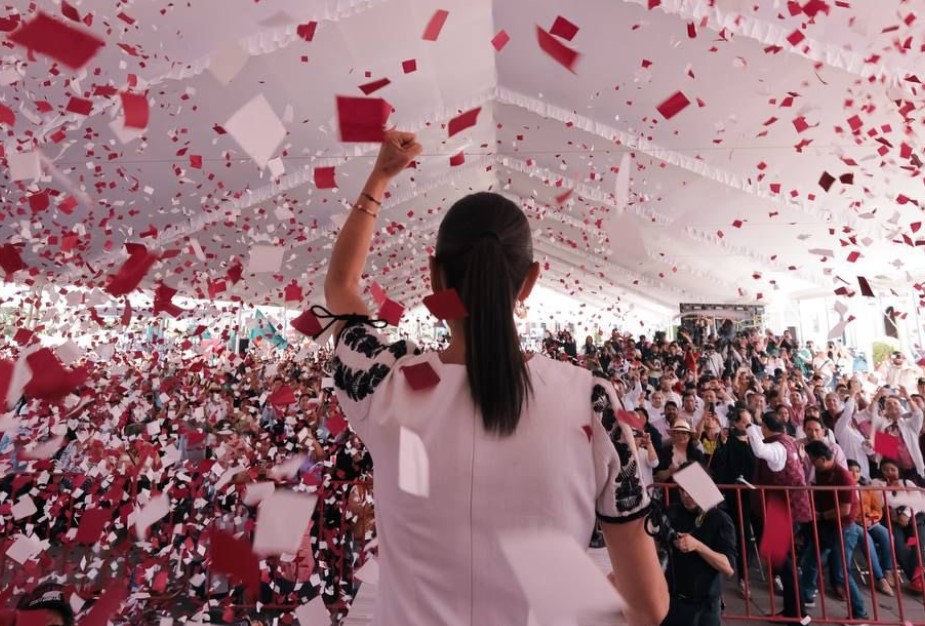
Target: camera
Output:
[{"x": 657, "y": 524}]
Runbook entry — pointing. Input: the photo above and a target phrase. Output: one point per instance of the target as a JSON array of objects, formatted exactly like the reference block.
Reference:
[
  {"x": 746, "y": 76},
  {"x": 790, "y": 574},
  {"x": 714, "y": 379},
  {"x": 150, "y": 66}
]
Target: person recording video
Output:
[{"x": 701, "y": 550}]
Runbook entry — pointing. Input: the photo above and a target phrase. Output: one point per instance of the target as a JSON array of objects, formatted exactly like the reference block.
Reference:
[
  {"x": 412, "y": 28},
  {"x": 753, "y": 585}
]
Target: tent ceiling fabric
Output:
[{"x": 728, "y": 200}]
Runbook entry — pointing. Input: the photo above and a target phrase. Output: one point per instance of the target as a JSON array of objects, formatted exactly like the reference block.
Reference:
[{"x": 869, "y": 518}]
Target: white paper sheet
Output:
[
  {"x": 257, "y": 130},
  {"x": 558, "y": 578},
  {"x": 282, "y": 520}
]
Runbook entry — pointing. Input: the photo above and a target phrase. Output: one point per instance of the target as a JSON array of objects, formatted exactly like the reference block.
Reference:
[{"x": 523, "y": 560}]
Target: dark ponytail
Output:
[{"x": 485, "y": 251}]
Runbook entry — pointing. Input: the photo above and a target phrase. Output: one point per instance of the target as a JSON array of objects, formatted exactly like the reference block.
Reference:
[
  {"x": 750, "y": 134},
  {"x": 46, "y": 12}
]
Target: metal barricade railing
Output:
[{"x": 807, "y": 544}]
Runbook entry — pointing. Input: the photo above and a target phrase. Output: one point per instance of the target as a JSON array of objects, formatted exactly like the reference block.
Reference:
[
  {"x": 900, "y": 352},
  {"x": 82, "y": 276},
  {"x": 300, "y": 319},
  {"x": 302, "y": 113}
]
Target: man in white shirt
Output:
[
  {"x": 779, "y": 466},
  {"x": 689, "y": 411},
  {"x": 848, "y": 430},
  {"x": 898, "y": 372},
  {"x": 665, "y": 386},
  {"x": 655, "y": 405},
  {"x": 713, "y": 362},
  {"x": 905, "y": 426},
  {"x": 720, "y": 409}
]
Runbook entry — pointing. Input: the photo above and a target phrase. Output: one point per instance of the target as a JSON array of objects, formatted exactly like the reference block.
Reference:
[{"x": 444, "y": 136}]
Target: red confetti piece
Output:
[
  {"x": 826, "y": 181},
  {"x": 50, "y": 380},
  {"x": 39, "y": 201},
  {"x": 107, "y": 606},
  {"x": 292, "y": 293},
  {"x": 324, "y": 178},
  {"x": 132, "y": 271},
  {"x": 457, "y": 159},
  {"x": 854, "y": 256},
  {"x": 195, "y": 161},
  {"x": 631, "y": 419},
  {"x": 45, "y": 35},
  {"x": 163, "y": 301},
  {"x": 23, "y": 336},
  {"x": 500, "y": 40},
  {"x": 378, "y": 293},
  {"x": 282, "y": 397},
  {"x": 409, "y": 66},
  {"x": 421, "y": 376},
  {"x": 336, "y": 424},
  {"x": 795, "y": 37},
  {"x": 91, "y": 526},
  {"x": 235, "y": 272},
  {"x": 435, "y": 25},
  {"x": 391, "y": 312},
  {"x": 559, "y": 52},
  {"x": 6, "y": 376},
  {"x": 362, "y": 119},
  {"x": 79, "y": 106},
  {"x": 135, "y": 110},
  {"x": 69, "y": 11},
  {"x": 306, "y": 31},
  {"x": 866, "y": 291},
  {"x": 10, "y": 259},
  {"x": 463, "y": 121},
  {"x": 673, "y": 105},
  {"x": 234, "y": 557},
  {"x": 691, "y": 30},
  {"x": 446, "y": 305},
  {"x": 563, "y": 28},
  {"x": 307, "y": 324},
  {"x": 7, "y": 116},
  {"x": 374, "y": 86}
]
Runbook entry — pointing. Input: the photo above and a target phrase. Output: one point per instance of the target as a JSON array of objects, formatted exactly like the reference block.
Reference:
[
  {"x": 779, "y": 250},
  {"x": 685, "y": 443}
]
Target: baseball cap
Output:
[{"x": 49, "y": 597}]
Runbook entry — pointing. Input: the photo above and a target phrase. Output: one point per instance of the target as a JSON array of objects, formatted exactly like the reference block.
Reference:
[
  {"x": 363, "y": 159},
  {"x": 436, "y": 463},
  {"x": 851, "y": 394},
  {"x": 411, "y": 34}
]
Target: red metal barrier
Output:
[{"x": 760, "y": 600}]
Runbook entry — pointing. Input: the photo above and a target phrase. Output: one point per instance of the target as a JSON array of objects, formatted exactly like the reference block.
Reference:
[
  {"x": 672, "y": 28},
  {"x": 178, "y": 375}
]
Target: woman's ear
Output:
[
  {"x": 532, "y": 275},
  {"x": 436, "y": 275}
]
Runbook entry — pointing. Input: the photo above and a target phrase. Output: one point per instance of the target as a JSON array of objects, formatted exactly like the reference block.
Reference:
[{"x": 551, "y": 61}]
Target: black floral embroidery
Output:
[
  {"x": 359, "y": 339},
  {"x": 359, "y": 384},
  {"x": 628, "y": 492}
]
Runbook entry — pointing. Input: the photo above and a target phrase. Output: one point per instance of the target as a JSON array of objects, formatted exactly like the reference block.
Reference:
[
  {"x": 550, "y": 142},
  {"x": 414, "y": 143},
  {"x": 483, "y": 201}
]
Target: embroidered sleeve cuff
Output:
[{"x": 625, "y": 518}]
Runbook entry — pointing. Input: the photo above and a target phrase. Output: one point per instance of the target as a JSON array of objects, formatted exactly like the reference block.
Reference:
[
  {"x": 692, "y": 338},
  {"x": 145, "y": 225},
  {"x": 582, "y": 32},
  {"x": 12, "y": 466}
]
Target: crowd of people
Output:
[
  {"x": 757, "y": 408},
  {"x": 752, "y": 407},
  {"x": 202, "y": 430}
]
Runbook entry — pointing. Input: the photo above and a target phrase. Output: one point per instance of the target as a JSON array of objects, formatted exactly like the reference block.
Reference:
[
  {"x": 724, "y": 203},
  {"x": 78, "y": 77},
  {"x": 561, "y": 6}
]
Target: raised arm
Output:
[
  {"x": 773, "y": 453},
  {"x": 342, "y": 282}
]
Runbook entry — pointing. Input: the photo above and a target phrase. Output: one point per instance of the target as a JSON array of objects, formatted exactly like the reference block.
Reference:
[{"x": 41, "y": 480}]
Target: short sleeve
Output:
[
  {"x": 363, "y": 359},
  {"x": 621, "y": 496}
]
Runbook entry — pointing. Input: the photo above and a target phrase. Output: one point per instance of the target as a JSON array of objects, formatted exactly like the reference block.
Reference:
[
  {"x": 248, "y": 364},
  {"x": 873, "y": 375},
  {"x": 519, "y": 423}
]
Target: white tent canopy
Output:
[{"x": 726, "y": 201}]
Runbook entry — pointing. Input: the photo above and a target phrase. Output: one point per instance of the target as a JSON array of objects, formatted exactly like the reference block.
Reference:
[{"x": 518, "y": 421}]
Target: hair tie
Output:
[{"x": 490, "y": 234}]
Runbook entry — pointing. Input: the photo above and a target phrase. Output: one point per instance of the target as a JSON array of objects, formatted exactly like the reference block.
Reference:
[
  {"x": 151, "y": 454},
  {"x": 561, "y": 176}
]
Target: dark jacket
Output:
[{"x": 688, "y": 574}]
